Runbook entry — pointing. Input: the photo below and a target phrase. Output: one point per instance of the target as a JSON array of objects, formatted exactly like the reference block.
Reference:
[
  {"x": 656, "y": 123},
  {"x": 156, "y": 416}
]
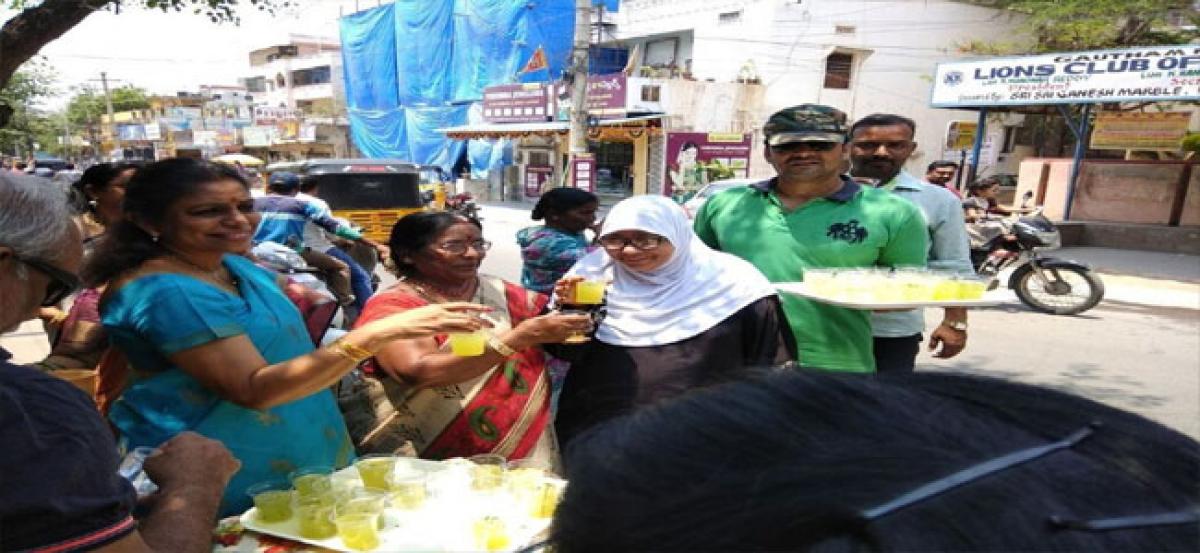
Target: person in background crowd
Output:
[
  {"x": 61, "y": 489},
  {"x": 215, "y": 345},
  {"x": 814, "y": 461},
  {"x": 80, "y": 341},
  {"x": 680, "y": 316},
  {"x": 983, "y": 212},
  {"x": 447, "y": 405},
  {"x": 880, "y": 144},
  {"x": 812, "y": 216},
  {"x": 315, "y": 240},
  {"x": 941, "y": 173},
  {"x": 283, "y": 220},
  {"x": 550, "y": 250},
  {"x": 20, "y": 167}
]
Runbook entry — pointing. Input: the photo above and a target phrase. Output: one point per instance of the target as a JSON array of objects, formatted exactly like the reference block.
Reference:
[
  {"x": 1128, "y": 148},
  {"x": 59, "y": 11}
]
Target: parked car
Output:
[{"x": 692, "y": 206}]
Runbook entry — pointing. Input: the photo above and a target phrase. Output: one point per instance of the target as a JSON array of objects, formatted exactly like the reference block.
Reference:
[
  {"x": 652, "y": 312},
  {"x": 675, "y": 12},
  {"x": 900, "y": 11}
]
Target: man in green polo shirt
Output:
[{"x": 812, "y": 216}]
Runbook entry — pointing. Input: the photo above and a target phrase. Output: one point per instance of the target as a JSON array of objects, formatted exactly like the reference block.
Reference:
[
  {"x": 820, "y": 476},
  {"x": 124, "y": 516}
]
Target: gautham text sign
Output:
[{"x": 1151, "y": 73}]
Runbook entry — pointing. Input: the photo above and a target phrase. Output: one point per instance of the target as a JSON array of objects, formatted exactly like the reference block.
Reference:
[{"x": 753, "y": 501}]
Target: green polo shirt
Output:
[{"x": 854, "y": 227}]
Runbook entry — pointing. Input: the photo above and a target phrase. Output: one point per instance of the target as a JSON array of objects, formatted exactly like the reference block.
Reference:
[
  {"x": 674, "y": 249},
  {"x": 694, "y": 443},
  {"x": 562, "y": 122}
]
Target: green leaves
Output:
[{"x": 1071, "y": 25}]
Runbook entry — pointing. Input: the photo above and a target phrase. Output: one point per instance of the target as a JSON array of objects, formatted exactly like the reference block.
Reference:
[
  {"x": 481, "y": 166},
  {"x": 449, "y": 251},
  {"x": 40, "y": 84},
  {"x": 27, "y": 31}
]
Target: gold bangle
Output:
[
  {"x": 500, "y": 347},
  {"x": 354, "y": 353}
]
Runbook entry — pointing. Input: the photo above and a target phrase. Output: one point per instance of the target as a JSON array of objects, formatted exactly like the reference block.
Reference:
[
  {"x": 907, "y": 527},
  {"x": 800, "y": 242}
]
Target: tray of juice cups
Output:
[
  {"x": 388, "y": 503},
  {"x": 883, "y": 288}
]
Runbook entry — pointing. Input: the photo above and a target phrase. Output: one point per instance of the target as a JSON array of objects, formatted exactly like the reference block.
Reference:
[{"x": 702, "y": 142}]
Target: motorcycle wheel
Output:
[{"x": 1072, "y": 291}]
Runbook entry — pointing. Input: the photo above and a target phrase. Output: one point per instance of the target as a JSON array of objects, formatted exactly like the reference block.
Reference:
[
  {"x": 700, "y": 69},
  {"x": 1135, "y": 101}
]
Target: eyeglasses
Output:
[
  {"x": 803, "y": 146},
  {"x": 644, "y": 243},
  {"x": 61, "y": 284},
  {"x": 459, "y": 248}
]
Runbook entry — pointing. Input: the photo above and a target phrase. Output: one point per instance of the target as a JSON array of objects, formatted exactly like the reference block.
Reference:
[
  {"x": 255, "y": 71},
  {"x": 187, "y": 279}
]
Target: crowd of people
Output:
[{"x": 700, "y": 410}]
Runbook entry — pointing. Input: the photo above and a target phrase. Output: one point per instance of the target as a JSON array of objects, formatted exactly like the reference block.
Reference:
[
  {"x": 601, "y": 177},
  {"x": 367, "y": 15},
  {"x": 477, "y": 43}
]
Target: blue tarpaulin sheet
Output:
[
  {"x": 409, "y": 66},
  {"x": 609, "y": 5}
]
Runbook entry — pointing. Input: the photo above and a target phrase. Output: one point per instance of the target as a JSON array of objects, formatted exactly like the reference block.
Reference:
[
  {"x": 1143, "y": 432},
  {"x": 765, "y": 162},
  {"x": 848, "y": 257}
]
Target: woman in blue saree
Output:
[{"x": 215, "y": 345}]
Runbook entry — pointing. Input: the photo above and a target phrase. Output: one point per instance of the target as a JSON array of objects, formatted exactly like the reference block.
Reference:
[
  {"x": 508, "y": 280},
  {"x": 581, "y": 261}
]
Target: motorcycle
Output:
[
  {"x": 285, "y": 261},
  {"x": 1044, "y": 283},
  {"x": 463, "y": 204}
]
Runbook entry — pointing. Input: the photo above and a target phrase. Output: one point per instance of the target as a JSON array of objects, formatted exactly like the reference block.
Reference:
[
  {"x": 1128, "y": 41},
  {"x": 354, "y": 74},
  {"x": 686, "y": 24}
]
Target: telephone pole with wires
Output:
[
  {"x": 112, "y": 122},
  {"x": 579, "y": 85}
]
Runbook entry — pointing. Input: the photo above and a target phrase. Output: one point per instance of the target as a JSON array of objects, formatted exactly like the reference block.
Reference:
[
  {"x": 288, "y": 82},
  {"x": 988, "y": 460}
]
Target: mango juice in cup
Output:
[
  {"x": 409, "y": 491},
  {"x": 544, "y": 501},
  {"x": 468, "y": 344},
  {"x": 487, "y": 474},
  {"x": 945, "y": 289},
  {"x": 359, "y": 531},
  {"x": 315, "y": 518},
  {"x": 971, "y": 289},
  {"x": 374, "y": 470},
  {"x": 589, "y": 292},
  {"x": 273, "y": 501},
  {"x": 313, "y": 482},
  {"x": 490, "y": 534}
]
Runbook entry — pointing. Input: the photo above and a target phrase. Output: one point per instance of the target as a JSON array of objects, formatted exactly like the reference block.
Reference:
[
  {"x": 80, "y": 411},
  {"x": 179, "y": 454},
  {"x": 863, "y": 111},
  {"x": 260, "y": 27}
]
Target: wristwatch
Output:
[{"x": 960, "y": 326}]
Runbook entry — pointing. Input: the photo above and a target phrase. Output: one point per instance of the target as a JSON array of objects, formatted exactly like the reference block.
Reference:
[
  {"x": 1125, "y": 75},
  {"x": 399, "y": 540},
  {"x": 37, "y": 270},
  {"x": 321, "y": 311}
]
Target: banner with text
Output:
[
  {"x": 1150, "y": 73},
  {"x": 1140, "y": 131},
  {"x": 692, "y": 156}
]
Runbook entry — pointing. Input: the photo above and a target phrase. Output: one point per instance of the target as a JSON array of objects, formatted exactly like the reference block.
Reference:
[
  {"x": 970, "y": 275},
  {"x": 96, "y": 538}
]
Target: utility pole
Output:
[
  {"x": 112, "y": 123},
  {"x": 579, "y": 84}
]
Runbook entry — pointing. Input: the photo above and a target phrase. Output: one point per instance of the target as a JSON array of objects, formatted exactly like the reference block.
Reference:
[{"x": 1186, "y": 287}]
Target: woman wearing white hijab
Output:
[{"x": 679, "y": 316}]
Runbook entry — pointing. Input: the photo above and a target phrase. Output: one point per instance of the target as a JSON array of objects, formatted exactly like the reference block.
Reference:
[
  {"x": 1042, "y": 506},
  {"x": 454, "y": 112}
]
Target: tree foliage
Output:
[
  {"x": 42, "y": 21},
  {"x": 29, "y": 123},
  {"x": 1072, "y": 25},
  {"x": 87, "y": 105}
]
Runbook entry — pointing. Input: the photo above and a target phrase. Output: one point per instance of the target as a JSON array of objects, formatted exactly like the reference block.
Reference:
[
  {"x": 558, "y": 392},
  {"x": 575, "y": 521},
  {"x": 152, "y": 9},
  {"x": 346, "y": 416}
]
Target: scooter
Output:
[
  {"x": 287, "y": 262},
  {"x": 463, "y": 204},
  {"x": 1044, "y": 283}
]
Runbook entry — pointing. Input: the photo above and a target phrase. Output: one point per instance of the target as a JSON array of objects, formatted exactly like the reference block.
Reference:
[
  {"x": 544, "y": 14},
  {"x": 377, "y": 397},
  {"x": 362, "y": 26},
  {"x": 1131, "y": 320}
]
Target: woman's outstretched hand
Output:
[{"x": 439, "y": 318}]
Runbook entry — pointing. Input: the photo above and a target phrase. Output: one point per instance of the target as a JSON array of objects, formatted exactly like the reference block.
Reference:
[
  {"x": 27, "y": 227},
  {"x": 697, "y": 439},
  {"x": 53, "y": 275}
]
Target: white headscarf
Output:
[{"x": 692, "y": 293}]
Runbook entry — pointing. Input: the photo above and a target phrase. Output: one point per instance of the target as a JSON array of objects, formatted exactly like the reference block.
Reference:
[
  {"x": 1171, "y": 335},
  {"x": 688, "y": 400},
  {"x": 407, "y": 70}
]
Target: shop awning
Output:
[{"x": 518, "y": 130}]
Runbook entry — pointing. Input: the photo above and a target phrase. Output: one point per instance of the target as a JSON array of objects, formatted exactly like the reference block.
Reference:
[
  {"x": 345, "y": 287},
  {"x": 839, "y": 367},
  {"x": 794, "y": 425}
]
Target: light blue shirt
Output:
[{"x": 949, "y": 247}]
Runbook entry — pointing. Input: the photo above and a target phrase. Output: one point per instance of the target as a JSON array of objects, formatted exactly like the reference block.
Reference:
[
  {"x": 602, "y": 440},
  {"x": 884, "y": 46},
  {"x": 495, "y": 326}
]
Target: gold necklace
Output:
[
  {"x": 445, "y": 297},
  {"x": 213, "y": 275}
]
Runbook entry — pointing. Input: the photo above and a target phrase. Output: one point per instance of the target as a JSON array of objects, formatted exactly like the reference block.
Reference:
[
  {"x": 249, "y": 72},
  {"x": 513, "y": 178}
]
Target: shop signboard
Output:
[
  {"x": 536, "y": 176},
  {"x": 1147, "y": 73},
  {"x": 517, "y": 103},
  {"x": 308, "y": 133},
  {"x": 257, "y": 137},
  {"x": 1140, "y": 131},
  {"x": 583, "y": 172},
  {"x": 153, "y": 132},
  {"x": 287, "y": 131},
  {"x": 264, "y": 115},
  {"x": 960, "y": 143},
  {"x": 692, "y": 155},
  {"x": 606, "y": 97},
  {"x": 205, "y": 138},
  {"x": 131, "y": 132}
]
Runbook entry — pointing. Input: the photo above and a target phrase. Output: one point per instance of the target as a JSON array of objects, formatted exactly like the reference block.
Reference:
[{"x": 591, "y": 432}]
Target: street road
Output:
[{"x": 1143, "y": 358}]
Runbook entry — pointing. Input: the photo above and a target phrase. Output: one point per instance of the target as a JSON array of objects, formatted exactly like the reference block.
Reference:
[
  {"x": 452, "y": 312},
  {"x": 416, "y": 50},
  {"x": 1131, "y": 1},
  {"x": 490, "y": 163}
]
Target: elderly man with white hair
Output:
[{"x": 61, "y": 489}]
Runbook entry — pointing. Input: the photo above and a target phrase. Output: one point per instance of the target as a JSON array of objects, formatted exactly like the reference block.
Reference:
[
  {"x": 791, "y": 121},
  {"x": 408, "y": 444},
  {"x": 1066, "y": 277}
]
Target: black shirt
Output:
[
  {"x": 607, "y": 380},
  {"x": 59, "y": 487}
]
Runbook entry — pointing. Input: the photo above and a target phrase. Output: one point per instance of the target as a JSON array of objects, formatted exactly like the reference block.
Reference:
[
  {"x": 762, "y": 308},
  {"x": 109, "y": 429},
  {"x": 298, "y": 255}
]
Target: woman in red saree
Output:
[{"x": 445, "y": 405}]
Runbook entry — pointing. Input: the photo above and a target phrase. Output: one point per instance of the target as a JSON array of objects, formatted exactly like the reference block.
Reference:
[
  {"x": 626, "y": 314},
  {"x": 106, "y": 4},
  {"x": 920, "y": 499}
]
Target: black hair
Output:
[
  {"x": 940, "y": 164},
  {"x": 792, "y": 460},
  {"x": 561, "y": 200},
  {"x": 308, "y": 183},
  {"x": 151, "y": 192},
  {"x": 884, "y": 120},
  {"x": 689, "y": 144},
  {"x": 986, "y": 182},
  {"x": 97, "y": 177},
  {"x": 412, "y": 233}
]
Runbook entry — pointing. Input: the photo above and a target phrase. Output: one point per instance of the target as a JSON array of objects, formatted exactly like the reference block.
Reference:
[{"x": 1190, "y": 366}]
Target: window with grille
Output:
[
  {"x": 729, "y": 18},
  {"x": 651, "y": 93},
  {"x": 837, "y": 70}
]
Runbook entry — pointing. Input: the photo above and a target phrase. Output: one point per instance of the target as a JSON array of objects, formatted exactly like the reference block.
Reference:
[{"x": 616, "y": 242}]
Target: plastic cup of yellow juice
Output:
[
  {"x": 468, "y": 344},
  {"x": 374, "y": 470},
  {"x": 315, "y": 517},
  {"x": 488, "y": 472},
  {"x": 364, "y": 501},
  {"x": 359, "y": 531},
  {"x": 545, "y": 498},
  {"x": 409, "y": 490},
  {"x": 273, "y": 501},
  {"x": 590, "y": 292},
  {"x": 971, "y": 289},
  {"x": 945, "y": 289},
  {"x": 490, "y": 534},
  {"x": 313, "y": 482}
]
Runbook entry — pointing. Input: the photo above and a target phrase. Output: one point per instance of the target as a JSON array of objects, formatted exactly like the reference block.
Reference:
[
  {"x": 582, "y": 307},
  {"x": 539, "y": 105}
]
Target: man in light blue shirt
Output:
[{"x": 880, "y": 144}]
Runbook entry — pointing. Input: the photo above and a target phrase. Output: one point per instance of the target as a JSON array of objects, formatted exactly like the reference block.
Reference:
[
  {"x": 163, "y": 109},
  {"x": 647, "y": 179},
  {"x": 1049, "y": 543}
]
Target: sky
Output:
[{"x": 165, "y": 53}]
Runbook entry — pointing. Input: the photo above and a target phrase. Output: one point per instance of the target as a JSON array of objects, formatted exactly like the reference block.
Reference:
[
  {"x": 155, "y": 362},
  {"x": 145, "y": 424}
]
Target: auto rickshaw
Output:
[
  {"x": 433, "y": 185},
  {"x": 370, "y": 193}
]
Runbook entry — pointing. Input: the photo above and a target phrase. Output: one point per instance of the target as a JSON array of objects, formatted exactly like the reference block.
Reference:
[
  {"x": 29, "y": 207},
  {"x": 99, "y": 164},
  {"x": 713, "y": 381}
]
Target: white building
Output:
[
  {"x": 304, "y": 72},
  {"x": 861, "y": 56}
]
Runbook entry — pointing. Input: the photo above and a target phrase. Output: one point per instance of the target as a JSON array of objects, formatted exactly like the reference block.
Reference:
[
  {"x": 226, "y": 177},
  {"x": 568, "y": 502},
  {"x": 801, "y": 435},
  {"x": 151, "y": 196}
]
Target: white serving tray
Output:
[
  {"x": 444, "y": 523},
  {"x": 995, "y": 297}
]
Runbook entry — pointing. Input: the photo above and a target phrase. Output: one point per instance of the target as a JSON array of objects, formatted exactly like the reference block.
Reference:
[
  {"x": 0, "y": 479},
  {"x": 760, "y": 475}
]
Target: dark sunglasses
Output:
[
  {"x": 61, "y": 284},
  {"x": 802, "y": 146}
]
